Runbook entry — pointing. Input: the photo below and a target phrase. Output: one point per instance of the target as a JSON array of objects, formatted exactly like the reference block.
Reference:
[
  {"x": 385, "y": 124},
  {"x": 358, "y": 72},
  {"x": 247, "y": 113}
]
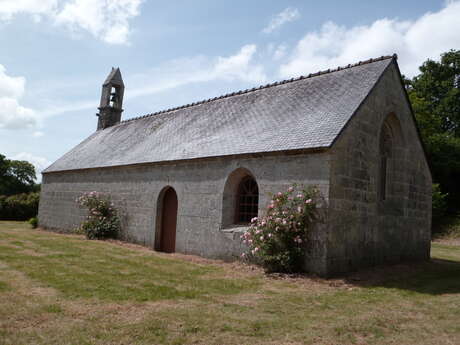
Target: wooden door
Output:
[{"x": 169, "y": 221}]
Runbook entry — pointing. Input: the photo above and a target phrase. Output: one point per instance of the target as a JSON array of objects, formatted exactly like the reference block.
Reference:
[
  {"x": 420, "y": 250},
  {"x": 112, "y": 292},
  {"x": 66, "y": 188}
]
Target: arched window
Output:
[
  {"x": 386, "y": 146},
  {"x": 240, "y": 198},
  {"x": 390, "y": 145},
  {"x": 247, "y": 200}
]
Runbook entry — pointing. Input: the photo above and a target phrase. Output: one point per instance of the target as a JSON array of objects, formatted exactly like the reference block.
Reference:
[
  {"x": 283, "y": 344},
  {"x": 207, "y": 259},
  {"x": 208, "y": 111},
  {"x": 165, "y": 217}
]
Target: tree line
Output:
[
  {"x": 435, "y": 97},
  {"x": 19, "y": 194}
]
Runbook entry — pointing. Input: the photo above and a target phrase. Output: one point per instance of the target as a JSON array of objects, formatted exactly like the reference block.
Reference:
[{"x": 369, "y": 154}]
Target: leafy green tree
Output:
[
  {"x": 16, "y": 176},
  {"x": 435, "y": 98},
  {"x": 23, "y": 172}
]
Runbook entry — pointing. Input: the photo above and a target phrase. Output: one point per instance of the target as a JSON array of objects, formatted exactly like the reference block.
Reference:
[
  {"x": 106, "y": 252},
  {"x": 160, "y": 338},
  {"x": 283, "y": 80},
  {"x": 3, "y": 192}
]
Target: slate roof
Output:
[{"x": 304, "y": 113}]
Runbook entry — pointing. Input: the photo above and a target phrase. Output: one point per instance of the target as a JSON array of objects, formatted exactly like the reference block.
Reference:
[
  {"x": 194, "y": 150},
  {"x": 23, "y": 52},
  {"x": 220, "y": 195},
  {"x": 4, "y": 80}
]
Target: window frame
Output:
[{"x": 244, "y": 218}]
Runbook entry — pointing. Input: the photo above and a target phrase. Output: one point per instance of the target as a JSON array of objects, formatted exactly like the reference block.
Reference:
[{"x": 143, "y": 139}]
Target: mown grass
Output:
[
  {"x": 63, "y": 289},
  {"x": 93, "y": 269}
]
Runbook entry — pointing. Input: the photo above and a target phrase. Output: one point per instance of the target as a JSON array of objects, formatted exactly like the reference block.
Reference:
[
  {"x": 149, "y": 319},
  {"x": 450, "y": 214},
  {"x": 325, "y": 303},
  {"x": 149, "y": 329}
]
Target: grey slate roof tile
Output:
[{"x": 305, "y": 113}]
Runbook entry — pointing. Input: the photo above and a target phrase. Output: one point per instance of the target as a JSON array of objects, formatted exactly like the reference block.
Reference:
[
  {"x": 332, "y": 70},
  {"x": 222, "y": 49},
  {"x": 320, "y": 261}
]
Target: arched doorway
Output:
[{"x": 167, "y": 212}]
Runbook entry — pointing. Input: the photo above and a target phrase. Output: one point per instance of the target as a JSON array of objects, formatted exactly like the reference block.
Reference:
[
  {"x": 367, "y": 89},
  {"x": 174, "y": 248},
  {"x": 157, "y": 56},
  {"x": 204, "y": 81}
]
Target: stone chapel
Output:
[{"x": 189, "y": 179}]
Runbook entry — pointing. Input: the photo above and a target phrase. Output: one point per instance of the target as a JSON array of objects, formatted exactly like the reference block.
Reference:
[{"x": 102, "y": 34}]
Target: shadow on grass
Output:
[{"x": 434, "y": 277}]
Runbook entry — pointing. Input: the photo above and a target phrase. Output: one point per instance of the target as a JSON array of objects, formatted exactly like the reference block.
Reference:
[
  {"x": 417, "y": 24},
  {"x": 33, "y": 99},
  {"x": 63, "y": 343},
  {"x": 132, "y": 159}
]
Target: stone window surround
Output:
[
  {"x": 229, "y": 202},
  {"x": 391, "y": 139}
]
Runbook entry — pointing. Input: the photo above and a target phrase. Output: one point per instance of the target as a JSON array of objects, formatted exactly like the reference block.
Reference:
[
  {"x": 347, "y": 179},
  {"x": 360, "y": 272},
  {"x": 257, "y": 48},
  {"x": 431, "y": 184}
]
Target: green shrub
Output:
[
  {"x": 19, "y": 206},
  {"x": 278, "y": 240},
  {"x": 102, "y": 220},
  {"x": 33, "y": 222}
]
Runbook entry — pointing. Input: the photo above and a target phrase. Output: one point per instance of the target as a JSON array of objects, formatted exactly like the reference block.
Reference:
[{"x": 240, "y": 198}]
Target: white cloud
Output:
[
  {"x": 12, "y": 114},
  {"x": 200, "y": 69},
  {"x": 107, "y": 20},
  {"x": 9, "y": 8},
  {"x": 40, "y": 163},
  {"x": 11, "y": 87},
  {"x": 287, "y": 15},
  {"x": 238, "y": 66},
  {"x": 413, "y": 41},
  {"x": 280, "y": 52},
  {"x": 38, "y": 134}
]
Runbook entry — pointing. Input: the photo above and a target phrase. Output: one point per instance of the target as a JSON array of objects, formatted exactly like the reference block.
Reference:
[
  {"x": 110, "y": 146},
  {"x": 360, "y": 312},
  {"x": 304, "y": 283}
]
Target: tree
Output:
[
  {"x": 435, "y": 98},
  {"x": 23, "y": 172},
  {"x": 16, "y": 176}
]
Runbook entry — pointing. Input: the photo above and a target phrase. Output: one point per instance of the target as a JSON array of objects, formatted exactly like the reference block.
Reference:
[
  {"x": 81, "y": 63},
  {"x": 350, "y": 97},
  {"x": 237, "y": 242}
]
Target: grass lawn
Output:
[{"x": 63, "y": 289}]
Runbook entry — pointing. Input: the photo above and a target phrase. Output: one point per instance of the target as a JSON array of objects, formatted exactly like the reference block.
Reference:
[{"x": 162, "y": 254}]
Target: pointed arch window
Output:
[
  {"x": 247, "y": 200},
  {"x": 386, "y": 146},
  {"x": 391, "y": 146}
]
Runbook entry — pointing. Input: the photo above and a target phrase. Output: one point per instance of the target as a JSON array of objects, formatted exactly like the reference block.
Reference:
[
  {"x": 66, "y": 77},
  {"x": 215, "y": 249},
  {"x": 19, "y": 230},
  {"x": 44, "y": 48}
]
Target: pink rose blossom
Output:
[
  {"x": 308, "y": 201},
  {"x": 290, "y": 189}
]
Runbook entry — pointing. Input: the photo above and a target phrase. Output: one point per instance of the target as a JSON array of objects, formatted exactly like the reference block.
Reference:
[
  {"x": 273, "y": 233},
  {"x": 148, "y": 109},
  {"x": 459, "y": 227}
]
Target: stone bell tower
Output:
[{"x": 110, "y": 108}]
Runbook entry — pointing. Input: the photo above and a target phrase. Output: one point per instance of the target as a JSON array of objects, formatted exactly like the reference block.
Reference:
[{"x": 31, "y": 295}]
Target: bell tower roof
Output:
[
  {"x": 111, "y": 105},
  {"x": 114, "y": 77}
]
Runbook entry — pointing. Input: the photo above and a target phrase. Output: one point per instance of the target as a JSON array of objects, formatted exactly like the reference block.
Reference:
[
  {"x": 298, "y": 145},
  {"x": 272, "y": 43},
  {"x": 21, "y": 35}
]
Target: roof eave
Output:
[{"x": 311, "y": 150}]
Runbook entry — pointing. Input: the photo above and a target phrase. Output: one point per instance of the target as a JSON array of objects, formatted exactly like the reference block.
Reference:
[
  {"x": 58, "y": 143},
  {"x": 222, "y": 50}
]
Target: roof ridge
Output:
[{"x": 276, "y": 83}]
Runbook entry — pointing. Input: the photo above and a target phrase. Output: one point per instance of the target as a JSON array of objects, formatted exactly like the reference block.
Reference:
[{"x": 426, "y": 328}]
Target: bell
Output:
[{"x": 114, "y": 97}]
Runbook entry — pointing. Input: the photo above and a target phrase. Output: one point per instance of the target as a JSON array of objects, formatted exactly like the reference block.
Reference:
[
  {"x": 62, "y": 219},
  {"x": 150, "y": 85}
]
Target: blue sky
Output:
[{"x": 56, "y": 54}]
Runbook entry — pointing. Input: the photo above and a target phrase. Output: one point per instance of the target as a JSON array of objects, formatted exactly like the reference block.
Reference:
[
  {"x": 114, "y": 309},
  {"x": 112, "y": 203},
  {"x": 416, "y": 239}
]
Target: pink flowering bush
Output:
[
  {"x": 102, "y": 220},
  {"x": 278, "y": 239}
]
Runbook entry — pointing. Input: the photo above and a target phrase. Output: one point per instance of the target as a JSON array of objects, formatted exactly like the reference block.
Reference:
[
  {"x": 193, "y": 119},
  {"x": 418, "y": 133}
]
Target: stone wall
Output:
[
  {"x": 200, "y": 188},
  {"x": 369, "y": 230}
]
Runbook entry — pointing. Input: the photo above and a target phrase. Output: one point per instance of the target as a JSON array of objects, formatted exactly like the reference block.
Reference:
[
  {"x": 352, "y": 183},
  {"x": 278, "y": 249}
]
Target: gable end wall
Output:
[{"x": 365, "y": 230}]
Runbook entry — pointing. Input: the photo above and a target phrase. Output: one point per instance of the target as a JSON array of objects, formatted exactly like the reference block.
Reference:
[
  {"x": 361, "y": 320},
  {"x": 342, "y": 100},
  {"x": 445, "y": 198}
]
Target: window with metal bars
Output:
[{"x": 247, "y": 200}]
